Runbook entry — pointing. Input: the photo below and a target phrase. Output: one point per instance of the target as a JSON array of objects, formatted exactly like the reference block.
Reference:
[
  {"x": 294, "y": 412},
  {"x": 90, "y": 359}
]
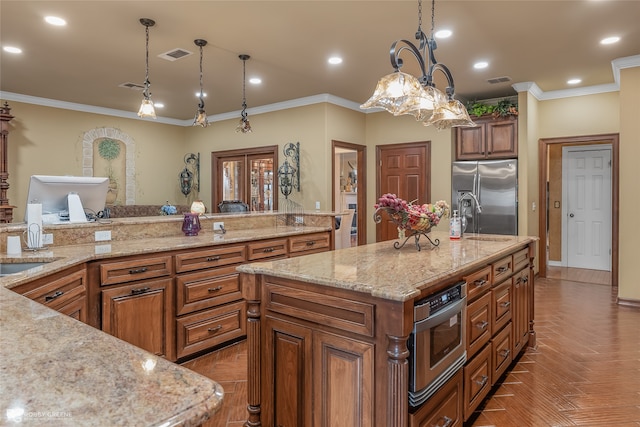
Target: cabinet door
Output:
[
  {"x": 308, "y": 244},
  {"x": 502, "y": 139},
  {"x": 501, "y": 356},
  {"x": 286, "y": 389},
  {"x": 140, "y": 314},
  {"x": 443, "y": 408},
  {"x": 478, "y": 324},
  {"x": 477, "y": 380},
  {"x": 520, "y": 311},
  {"x": 343, "y": 377},
  {"x": 501, "y": 304},
  {"x": 470, "y": 142}
]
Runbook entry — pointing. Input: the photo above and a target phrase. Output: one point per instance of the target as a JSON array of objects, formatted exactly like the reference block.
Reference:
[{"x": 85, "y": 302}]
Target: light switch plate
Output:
[{"x": 102, "y": 236}]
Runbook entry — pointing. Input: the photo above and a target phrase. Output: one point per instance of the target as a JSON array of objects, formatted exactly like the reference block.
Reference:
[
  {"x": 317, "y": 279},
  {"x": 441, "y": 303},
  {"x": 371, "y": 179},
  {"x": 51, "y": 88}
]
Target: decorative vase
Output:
[{"x": 191, "y": 224}]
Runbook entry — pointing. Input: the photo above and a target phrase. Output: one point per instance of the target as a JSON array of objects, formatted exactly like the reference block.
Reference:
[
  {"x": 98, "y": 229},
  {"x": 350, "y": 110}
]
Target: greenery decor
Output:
[
  {"x": 502, "y": 108},
  {"x": 108, "y": 149}
]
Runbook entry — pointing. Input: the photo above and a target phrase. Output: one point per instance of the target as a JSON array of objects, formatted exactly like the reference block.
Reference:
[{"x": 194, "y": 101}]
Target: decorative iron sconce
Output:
[
  {"x": 190, "y": 176},
  {"x": 289, "y": 173}
]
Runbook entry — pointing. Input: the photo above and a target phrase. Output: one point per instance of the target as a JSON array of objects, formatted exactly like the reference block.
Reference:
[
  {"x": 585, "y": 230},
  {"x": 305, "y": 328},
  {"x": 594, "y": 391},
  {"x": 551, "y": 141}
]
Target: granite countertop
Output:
[
  {"x": 395, "y": 274},
  {"x": 58, "y": 371},
  {"x": 55, "y": 370}
]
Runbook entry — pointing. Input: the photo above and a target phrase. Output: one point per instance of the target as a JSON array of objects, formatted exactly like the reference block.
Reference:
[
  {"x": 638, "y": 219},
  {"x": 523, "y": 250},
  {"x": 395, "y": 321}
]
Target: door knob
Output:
[{"x": 571, "y": 215}]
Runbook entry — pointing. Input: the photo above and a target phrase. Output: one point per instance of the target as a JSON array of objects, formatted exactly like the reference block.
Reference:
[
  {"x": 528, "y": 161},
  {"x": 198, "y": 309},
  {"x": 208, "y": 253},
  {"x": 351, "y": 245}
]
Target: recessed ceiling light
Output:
[
  {"x": 12, "y": 49},
  {"x": 158, "y": 104},
  {"x": 54, "y": 20},
  {"x": 574, "y": 81},
  {"x": 204, "y": 94},
  {"x": 443, "y": 34},
  {"x": 335, "y": 60},
  {"x": 255, "y": 81},
  {"x": 480, "y": 65},
  {"x": 610, "y": 40}
]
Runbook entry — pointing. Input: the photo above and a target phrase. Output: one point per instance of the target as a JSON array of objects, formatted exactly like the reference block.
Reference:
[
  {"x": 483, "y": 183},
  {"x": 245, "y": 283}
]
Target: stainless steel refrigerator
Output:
[{"x": 487, "y": 192}]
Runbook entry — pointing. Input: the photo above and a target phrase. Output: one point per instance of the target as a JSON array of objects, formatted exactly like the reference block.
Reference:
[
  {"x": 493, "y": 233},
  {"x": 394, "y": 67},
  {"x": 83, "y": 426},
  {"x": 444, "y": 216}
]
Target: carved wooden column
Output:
[{"x": 6, "y": 210}]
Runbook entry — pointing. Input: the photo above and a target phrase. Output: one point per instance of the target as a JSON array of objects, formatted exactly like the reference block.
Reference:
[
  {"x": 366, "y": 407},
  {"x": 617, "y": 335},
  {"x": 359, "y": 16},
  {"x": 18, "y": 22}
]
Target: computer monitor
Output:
[{"x": 52, "y": 192}]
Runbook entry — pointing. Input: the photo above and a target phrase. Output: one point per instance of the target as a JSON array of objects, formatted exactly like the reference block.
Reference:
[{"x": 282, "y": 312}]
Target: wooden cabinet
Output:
[
  {"x": 140, "y": 314},
  {"x": 490, "y": 139},
  {"x": 501, "y": 355},
  {"x": 308, "y": 244},
  {"x": 478, "y": 324},
  {"x": 274, "y": 248},
  {"x": 65, "y": 292},
  {"x": 477, "y": 380},
  {"x": 521, "y": 292},
  {"x": 501, "y": 299},
  {"x": 444, "y": 408}
]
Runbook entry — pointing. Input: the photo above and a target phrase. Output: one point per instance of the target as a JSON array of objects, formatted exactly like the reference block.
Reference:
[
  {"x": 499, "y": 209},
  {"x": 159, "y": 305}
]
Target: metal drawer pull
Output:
[
  {"x": 266, "y": 250},
  {"x": 525, "y": 279},
  {"x": 213, "y": 258},
  {"x": 482, "y": 325},
  {"x": 505, "y": 353},
  {"x": 311, "y": 243},
  {"x": 505, "y": 304},
  {"x": 139, "y": 291},
  {"x": 138, "y": 270},
  {"x": 480, "y": 282},
  {"x": 214, "y": 330},
  {"x": 53, "y": 296},
  {"x": 216, "y": 289},
  {"x": 502, "y": 269},
  {"x": 447, "y": 422},
  {"x": 483, "y": 381}
]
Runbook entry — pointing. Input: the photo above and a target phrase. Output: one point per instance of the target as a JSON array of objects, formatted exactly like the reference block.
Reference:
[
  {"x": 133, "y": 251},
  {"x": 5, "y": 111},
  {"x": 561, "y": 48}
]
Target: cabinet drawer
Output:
[
  {"x": 501, "y": 305},
  {"x": 477, "y": 380},
  {"x": 206, "y": 329},
  {"x": 61, "y": 291},
  {"x": 521, "y": 259},
  {"x": 267, "y": 249},
  {"x": 299, "y": 245},
  {"x": 501, "y": 353},
  {"x": 137, "y": 269},
  {"x": 204, "y": 289},
  {"x": 442, "y": 409},
  {"x": 478, "y": 324},
  {"x": 501, "y": 269},
  {"x": 214, "y": 257},
  {"x": 478, "y": 282}
]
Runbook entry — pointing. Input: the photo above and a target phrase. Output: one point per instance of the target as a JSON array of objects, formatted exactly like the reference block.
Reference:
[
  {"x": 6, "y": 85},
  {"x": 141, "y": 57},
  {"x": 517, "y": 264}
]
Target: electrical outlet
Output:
[
  {"x": 102, "y": 236},
  {"x": 102, "y": 249},
  {"x": 47, "y": 239},
  {"x": 299, "y": 220},
  {"x": 317, "y": 205},
  {"x": 218, "y": 226}
]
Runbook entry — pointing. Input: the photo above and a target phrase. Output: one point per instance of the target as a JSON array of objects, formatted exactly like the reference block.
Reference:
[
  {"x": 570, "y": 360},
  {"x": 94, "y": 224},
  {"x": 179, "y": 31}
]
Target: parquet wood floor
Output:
[{"x": 585, "y": 371}]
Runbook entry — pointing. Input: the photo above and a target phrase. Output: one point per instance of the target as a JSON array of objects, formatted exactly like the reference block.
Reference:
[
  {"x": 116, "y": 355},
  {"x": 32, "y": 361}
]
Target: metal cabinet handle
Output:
[
  {"x": 216, "y": 289},
  {"x": 505, "y": 304},
  {"x": 480, "y": 282},
  {"x": 311, "y": 243},
  {"x": 502, "y": 269},
  {"x": 483, "y": 380},
  {"x": 213, "y": 258},
  {"x": 505, "y": 353},
  {"x": 138, "y": 270},
  {"x": 447, "y": 422},
  {"x": 139, "y": 291},
  {"x": 267, "y": 250},
  {"x": 525, "y": 279},
  {"x": 53, "y": 296},
  {"x": 214, "y": 330},
  {"x": 482, "y": 325}
]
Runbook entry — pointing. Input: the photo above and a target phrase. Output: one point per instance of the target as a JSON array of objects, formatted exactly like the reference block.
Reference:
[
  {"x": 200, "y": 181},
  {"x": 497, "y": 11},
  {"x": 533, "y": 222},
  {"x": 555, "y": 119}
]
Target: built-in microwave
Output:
[{"x": 437, "y": 347}]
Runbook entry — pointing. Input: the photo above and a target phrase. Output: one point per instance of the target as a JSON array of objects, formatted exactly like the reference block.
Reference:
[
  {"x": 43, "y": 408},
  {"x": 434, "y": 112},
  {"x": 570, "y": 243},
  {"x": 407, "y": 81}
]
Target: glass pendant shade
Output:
[
  {"x": 393, "y": 92},
  {"x": 450, "y": 114},
  {"x": 201, "y": 118},
  {"x": 423, "y": 104},
  {"x": 244, "y": 126},
  {"x": 147, "y": 109}
]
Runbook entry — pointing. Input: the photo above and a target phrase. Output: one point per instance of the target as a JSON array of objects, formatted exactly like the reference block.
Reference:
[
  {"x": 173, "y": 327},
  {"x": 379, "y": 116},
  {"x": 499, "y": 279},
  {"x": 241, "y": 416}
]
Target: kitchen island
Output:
[{"x": 327, "y": 333}]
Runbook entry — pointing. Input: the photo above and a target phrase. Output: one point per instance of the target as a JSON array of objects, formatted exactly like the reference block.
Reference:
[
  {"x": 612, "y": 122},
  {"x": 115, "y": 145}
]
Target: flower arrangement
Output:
[
  {"x": 410, "y": 215},
  {"x": 168, "y": 209}
]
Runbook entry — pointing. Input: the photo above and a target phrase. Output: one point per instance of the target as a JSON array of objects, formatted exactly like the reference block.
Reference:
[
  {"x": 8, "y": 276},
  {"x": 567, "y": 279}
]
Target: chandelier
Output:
[
  {"x": 401, "y": 93},
  {"x": 146, "y": 108},
  {"x": 244, "y": 125},
  {"x": 201, "y": 116}
]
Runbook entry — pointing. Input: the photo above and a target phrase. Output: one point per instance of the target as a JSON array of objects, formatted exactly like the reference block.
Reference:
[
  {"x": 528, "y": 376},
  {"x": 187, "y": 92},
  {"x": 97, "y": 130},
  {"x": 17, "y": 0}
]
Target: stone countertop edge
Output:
[
  {"x": 382, "y": 271},
  {"x": 55, "y": 370},
  {"x": 58, "y": 258}
]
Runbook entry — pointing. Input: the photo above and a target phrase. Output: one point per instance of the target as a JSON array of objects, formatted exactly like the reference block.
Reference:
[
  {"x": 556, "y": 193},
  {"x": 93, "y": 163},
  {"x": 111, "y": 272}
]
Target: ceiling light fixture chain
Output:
[
  {"x": 400, "y": 93},
  {"x": 201, "y": 116},
  {"x": 244, "y": 126},
  {"x": 146, "y": 108}
]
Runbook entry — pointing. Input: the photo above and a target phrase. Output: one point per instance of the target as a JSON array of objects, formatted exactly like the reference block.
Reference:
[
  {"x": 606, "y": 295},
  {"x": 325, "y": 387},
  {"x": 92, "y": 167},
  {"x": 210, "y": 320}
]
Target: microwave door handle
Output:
[{"x": 437, "y": 318}]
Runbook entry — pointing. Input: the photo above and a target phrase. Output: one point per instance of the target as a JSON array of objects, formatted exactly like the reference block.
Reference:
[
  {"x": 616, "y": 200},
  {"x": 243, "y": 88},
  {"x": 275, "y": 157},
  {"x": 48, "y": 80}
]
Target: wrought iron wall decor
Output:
[
  {"x": 289, "y": 172},
  {"x": 190, "y": 176}
]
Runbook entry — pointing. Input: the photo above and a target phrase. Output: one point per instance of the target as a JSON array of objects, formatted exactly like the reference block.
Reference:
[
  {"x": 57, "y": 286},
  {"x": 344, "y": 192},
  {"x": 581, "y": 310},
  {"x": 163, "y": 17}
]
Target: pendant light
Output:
[
  {"x": 201, "y": 115},
  {"x": 244, "y": 125},
  {"x": 146, "y": 108}
]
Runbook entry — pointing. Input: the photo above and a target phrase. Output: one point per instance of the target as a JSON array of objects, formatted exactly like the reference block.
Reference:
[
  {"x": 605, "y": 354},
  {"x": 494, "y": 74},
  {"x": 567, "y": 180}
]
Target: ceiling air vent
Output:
[
  {"x": 134, "y": 86},
  {"x": 175, "y": 54},
  {"x": 496, "y": 80}
]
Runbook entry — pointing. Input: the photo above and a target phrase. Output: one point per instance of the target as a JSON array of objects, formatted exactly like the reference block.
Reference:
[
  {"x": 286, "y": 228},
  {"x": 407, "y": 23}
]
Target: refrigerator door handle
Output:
[
  {"x": 475, "y": 187},
  {"x": 478, "y": 187}
]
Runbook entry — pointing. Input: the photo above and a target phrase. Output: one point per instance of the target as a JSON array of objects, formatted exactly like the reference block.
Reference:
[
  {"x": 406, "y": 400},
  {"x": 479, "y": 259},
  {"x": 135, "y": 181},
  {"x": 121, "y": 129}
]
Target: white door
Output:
[{"x": 586, "y": 188}]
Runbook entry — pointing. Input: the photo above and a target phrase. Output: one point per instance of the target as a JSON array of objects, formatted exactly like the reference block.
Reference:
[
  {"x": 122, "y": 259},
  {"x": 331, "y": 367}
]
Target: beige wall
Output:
[{"x": 629, "y": 111}]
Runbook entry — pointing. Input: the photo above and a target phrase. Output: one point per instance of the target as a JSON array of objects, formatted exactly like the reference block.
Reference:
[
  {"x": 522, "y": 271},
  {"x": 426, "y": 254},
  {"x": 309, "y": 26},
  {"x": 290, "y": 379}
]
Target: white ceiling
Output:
[{"x": 545, "y": 42}]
